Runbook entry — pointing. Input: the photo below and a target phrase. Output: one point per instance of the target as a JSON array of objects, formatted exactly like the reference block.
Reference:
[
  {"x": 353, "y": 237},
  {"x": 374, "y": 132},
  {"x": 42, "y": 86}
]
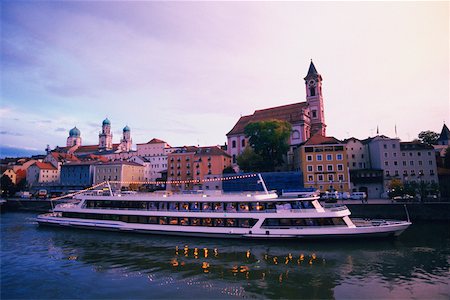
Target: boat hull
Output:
[{"x": 343, "y": 232}]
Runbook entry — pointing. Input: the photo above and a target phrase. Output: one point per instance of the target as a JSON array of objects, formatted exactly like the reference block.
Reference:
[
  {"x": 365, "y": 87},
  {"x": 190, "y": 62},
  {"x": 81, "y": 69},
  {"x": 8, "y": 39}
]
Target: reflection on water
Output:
[{"x": 136, "y": 266}]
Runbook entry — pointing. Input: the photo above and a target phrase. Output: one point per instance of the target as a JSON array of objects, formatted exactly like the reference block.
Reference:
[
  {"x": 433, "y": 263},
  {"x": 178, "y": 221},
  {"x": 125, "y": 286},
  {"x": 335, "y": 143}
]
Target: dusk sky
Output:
[{"x": 185, "y": 72}]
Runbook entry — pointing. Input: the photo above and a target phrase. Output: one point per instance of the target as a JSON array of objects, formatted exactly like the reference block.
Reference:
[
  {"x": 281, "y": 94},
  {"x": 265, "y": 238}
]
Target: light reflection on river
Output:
[{"x": 41, "y": 262}]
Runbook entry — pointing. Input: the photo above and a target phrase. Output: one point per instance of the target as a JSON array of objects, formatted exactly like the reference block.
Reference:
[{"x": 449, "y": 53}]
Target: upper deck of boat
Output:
[{"x": 198, "y": 197}]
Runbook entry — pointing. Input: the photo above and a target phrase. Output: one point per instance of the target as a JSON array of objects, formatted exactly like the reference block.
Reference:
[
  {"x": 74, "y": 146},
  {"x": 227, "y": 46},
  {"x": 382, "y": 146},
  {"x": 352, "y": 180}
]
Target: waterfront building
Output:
[
  {"x": 41, "y": 173},
  {"x": 190, "y": 165},
  {"x": 77, "y": 175},
  {"x": 363, "y": 178},
  {"x": 323, "y": 161},
  {"x": 155, "y": 153},
  {"x": 123, "y": 172},
  {"x": 406, "y": 161},
  {"x": 307, "y": 119}
]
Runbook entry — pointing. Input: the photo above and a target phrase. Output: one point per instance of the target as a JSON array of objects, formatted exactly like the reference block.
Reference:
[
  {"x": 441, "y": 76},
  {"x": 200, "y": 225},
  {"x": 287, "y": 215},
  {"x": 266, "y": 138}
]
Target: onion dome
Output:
[
  {"x": 106, "y": 122},
  {"x": 126, "y": 128},
  {"x": 74, "y": 132}
]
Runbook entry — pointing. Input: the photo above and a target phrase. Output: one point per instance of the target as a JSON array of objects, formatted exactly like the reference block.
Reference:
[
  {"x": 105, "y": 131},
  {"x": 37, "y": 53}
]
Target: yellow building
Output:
[{"x": 323, "y": 162}]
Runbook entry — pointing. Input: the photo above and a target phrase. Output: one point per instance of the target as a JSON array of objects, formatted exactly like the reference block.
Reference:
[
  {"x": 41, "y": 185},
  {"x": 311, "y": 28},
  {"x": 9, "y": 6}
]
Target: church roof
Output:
[
  {"x": 291, "y": 113},
  {"x": 312, "y": 69},
  {"x": 88, "y": 149},
  {"x": 312, "y": 72},
  {"x": 445, "y": 134}
]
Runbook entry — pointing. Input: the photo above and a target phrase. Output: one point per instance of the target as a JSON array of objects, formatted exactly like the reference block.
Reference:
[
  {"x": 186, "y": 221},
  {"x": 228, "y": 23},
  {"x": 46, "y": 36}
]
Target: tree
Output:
[
  {"x": 428, "y": 137},
  {"x": 6, "y": 186},
  {"x": 269, "y": 141},
  {"x": 249, "y": 161},
  {"x": 395, "y": 188},
  {"x": 228, "y": 170}
]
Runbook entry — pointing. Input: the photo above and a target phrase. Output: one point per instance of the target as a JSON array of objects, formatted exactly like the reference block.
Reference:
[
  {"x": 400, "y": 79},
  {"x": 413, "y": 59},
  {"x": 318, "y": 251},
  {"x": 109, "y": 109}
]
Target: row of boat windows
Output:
[
  {"x": 212, "y": 222},
  {"x": 198, "y": 206},
  {"x": 304, "y": 222},
  {"x": 208, "y": 222}
]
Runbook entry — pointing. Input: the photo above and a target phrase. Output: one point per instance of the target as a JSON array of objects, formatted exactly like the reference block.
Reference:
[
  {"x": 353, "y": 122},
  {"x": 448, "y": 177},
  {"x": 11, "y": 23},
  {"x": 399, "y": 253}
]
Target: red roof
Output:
[
  {"x": 64, "y": 156},
  {"x": 154, "y": 141},
  {"x": 44, "y": 166},
  {"x": 322, "y": 140},
  {"x": 291, "y": 113},
  {"x": 86, "y": 149}
]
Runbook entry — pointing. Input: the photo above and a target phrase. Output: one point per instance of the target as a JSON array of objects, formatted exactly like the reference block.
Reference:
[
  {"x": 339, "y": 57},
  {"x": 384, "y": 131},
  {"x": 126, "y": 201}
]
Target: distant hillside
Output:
[{"x": 17, "y": 152}]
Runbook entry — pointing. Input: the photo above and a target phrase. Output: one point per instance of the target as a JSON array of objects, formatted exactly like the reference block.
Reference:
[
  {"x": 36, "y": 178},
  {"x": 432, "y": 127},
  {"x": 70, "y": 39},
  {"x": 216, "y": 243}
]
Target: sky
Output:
[{"x": 184, "y": 72}]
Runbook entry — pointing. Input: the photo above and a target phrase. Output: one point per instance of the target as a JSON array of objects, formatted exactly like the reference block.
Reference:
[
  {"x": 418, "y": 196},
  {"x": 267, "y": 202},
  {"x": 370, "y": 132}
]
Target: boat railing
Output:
[{"x": 337, "y": 207}]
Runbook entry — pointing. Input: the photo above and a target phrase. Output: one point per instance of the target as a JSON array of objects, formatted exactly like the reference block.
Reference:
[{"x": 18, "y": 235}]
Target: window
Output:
[
  {"x": 319, "y": 157},
  {"x": 309, "y": 168},
  {"x": 340, "y": 167},
  {"x": 233, "y": 144},
  {"x": 430, "y": 162},
  {"x": 431, "y": 172},
  {"x": 329, "y": 157},
  {"x": 404, "y": 163},
  {"x": 386, "y": 163},
  {"x": 341, "y": 177},
  {"x": 243, "y": 143},
  {"x": 387, "y": 173},
  {"x": 330, "y": 168},
  {"x": 234, "y": 160},
  {"x": 384, "y": 146},
  {"x": 314, "y": 112},
  {"x": 395, "y": 163},
  {"x": 320, "y": 177},
  {"x": 319, "y": 168},
  {"x": 330, "y": 177},
  {"x": 339, "y": 156},
  {"x": 396, "y": 172},
  {"x": 395, "y": 154},
  {"x": 310, "y": 178},
  {"x": 411, "y": 163},
  {"x": 420, "y": 162},
  {"x": 385, "y": 154}
]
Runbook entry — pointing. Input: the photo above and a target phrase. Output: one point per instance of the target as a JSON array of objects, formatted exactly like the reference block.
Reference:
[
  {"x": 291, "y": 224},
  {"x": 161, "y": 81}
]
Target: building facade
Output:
[
  {"x": 189, "y": 166},
  {"x": 42, "y": 173},
  {"x": 78, "y": 175},
  {"x": 122, "y": 172},
  {"x": 323, "y": 161},
  {"x": 306, "y": 118},
  {"x": 406, "y": 161}
]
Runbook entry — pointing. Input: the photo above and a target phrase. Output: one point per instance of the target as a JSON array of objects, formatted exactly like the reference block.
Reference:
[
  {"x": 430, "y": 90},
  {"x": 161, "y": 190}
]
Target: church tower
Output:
[
  {"x": 74, "y": 138},
  {"x": 105, "y": 136},
  {"x": 125, "y": 142},
  {"x": 314, "y": 98}
]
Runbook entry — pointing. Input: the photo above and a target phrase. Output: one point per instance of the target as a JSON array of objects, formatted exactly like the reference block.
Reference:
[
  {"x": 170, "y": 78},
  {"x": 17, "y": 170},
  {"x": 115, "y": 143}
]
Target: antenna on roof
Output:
[{"x": 378, "y": 130}]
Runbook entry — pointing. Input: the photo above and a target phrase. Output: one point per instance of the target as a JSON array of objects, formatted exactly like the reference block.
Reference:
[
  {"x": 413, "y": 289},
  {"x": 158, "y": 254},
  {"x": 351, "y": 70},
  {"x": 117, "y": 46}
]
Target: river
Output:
[{"x": 56, "y": 263}]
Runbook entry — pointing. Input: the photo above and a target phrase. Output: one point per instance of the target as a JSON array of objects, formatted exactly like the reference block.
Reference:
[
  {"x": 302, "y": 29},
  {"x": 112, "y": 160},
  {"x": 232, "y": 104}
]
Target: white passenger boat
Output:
[{"x": 248, "y": 215}]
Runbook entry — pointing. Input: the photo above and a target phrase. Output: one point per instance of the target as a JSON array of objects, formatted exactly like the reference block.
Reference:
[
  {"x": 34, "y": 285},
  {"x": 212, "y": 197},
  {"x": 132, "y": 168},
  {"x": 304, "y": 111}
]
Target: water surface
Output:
[{"x": 45, "y": 262}]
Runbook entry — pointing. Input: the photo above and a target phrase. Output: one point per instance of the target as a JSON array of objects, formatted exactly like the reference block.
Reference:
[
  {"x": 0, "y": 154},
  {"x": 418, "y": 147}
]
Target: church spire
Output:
[{"x": 312, "y": 69}]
